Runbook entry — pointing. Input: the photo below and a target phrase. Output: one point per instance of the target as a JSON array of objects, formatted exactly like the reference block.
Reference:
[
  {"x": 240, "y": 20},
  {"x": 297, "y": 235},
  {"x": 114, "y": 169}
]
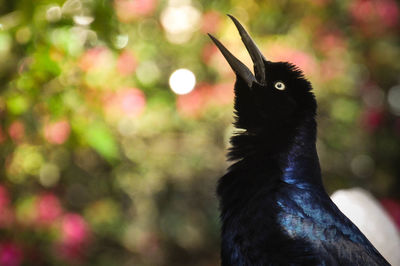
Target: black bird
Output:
[{"x": 274, "y": 208}]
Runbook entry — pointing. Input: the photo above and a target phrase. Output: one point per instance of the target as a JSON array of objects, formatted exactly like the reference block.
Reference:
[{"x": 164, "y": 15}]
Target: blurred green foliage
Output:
[{"x": 103, "y": 164}]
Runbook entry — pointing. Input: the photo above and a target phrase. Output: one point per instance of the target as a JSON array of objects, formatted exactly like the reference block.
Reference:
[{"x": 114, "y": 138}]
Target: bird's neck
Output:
[
  {"x": 292, "y": 154},
  {"x": 299, "y": 163}
]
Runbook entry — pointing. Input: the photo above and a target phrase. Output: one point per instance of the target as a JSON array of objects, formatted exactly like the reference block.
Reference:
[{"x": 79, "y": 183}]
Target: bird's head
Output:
[{"x": 277, "y": 97}]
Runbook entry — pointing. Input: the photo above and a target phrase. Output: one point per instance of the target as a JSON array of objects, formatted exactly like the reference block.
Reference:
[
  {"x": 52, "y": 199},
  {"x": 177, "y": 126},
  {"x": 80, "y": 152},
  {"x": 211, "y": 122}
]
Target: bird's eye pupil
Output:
[{"x": 279, "y": 85}]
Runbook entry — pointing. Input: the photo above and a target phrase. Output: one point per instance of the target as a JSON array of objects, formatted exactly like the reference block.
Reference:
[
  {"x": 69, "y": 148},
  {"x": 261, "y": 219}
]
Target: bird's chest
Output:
[
  {"x": 302, "y": 214},
  {"x": 267, "y": 229}
]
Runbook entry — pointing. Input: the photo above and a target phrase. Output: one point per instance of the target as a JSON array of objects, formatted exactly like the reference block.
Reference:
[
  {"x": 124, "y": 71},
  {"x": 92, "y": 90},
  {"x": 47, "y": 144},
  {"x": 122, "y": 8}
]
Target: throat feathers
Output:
[{"x": 274, "y": 208}]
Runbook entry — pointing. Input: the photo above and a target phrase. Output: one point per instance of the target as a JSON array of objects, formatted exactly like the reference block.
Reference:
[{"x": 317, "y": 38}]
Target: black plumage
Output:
[{"x": 274, "y": 208}]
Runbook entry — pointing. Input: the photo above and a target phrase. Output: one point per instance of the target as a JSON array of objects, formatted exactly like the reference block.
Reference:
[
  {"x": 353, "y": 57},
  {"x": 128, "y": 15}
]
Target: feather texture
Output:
[{"x": 274, "y": 208}]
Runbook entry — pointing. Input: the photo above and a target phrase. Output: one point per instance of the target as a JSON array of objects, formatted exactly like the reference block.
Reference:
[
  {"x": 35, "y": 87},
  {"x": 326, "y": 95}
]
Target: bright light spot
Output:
[
  {"x": 180, "y": 20},
  {"x": 182, "y": 81},
  {"x": 1, "y": 27},
  {"x": 83, "y": 20},
  {"x": 53, "y": 14},
  {"x": 394, "y": 99},
  {"x": 121, "y": 41}
]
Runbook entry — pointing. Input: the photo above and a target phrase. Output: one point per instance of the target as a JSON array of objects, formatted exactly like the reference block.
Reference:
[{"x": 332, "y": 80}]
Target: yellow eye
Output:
[{"x": 279, "y": 85}]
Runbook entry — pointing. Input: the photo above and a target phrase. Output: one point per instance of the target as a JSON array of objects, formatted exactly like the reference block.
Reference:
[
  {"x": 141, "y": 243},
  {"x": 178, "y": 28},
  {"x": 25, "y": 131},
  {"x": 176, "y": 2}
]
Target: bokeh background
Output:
[{"x": 110, "y": 156}]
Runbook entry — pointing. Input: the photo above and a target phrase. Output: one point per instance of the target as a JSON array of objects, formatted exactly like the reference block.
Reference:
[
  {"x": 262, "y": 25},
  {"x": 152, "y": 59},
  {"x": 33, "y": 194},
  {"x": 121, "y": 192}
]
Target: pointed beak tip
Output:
[
  {"x": 255, "y": 53},
  {"x": 232, "y": 18},
  {"x": 211, "y": 37},
  {"x": 238, "y": 67}
]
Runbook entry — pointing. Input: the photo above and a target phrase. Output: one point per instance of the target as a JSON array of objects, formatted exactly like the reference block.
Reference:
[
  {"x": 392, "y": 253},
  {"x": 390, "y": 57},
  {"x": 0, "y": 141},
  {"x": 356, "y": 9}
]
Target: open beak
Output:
[{"x": 238, "y": 67}]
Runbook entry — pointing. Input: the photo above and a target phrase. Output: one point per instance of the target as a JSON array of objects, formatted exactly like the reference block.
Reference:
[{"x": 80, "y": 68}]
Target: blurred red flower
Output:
[
  {"x": 16, "y": 131},
  {"x": 210, "y": 22},
  {"x": 57, "y": 132},
  {"x": 93, "y": 58},
  {"x": 74, "y": 236},
  {"x": 330, "y": 41},
  {"x": 393, "y": 208},
  {"x": 372, "y": 119},
  {"x": 190, "y": 104},
  {"x": 299, "y": 58},
  {"x": 208, "y": 51},
  {"x": 126, "y": 63},
  {"x": 128, "y": 10},
  {"x": 375, "y": 16},
  {"x": 193, "y": 103},
  {"x": 74, "y": 229},
  {"x": 49, "y": 208},
  {"x": 10, "y": 254},
  {"x": 128, "y": 101}
]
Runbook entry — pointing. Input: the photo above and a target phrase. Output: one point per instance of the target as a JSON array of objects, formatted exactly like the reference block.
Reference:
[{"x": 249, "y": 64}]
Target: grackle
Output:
[{"x": 274, "y": 208}]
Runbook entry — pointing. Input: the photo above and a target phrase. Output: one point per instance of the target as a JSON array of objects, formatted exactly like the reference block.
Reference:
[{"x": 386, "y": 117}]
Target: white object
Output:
[{"x": 373, "y": 221}]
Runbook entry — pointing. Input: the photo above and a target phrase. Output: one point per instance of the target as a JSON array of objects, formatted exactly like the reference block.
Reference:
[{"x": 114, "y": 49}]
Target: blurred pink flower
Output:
[
  {"x": 372, "y": 119},
  {"x": 331, "y": 41},
  {"x": 74, "y": 236},
  {"x": 128, "y": 10},
  {"x": 93, "y": 58},
  {"x": 190, "y": 104},
  {"x": 49, "y": 208},
  {"x": 375, "y": 16},
  {"x": 193, "y": 103},
  {"x": 222, "y": 94},
  {"x": 16, "y": 130},
  {"x": 208, "y": 51},
  {"x": 74, "y": 229},
  {"x": 299, "y": 58},
  {"x": 126, "y": 63},
  {"x": 58, "y": 132},
  {"x": 393, "y": 208},
  {"x": 10, "y": 254},
  {"x": 129, "y": 101},
  {"x": 133, "y": 101},
  {"x": 210, "y": 22}
]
